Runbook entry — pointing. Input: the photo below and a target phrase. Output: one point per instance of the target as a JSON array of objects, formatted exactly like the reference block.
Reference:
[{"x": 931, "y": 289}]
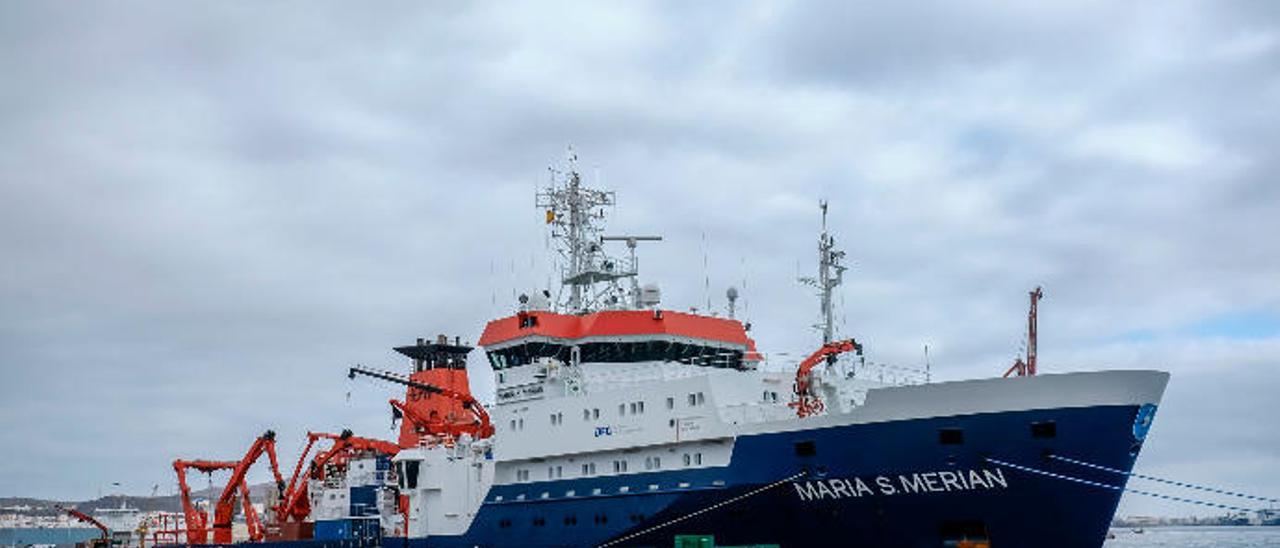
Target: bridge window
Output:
[
  {"x": 620, "y": 352},
  {"x": 671, "y": 403}
]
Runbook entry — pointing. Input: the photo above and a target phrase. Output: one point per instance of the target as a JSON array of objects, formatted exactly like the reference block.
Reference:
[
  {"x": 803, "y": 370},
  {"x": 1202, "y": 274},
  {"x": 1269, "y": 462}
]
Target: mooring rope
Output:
[
  {"x": 1046, "y": 473},
  {"x": 1162, "y": 480},
  {"x": 711, "y": 508}
]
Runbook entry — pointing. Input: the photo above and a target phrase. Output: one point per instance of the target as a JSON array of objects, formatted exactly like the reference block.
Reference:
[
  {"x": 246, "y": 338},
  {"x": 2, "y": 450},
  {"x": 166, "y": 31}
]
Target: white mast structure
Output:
[
  {"x": 830, "y": 275},
  {"x": 576, "y": 216}
]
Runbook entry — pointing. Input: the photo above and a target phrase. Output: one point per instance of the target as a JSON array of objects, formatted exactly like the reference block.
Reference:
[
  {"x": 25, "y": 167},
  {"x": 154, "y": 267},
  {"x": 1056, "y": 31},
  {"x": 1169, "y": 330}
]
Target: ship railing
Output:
[
  {"x": 894, "y": 375},
  {"x": 852, "y": 368}
]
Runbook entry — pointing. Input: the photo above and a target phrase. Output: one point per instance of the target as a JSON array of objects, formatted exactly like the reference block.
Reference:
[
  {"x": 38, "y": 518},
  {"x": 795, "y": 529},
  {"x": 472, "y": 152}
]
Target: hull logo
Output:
[{"x": 1142, "y": 422}]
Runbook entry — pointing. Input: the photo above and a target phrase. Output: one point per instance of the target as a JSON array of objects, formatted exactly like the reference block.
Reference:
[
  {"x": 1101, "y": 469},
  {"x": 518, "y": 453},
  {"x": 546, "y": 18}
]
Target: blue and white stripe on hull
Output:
[
  {"x": 1028, "y": 511},
  {"x": 863, "y": 479}
]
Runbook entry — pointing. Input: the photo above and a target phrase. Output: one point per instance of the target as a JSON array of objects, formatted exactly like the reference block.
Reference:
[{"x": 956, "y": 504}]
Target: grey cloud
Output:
[{"x": 212, "y": 211}]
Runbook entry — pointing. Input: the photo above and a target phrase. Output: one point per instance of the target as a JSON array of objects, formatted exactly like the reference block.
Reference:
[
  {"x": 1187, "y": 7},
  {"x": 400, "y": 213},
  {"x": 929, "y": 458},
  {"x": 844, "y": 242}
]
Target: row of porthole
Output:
[
  {"x": 635, "y": 408},
  {"x": 599, "y": 491},
  {"x": 619, "y": 467},
  {"x": 570, "y": 520},
  {"x": 1047, "y": 429}
]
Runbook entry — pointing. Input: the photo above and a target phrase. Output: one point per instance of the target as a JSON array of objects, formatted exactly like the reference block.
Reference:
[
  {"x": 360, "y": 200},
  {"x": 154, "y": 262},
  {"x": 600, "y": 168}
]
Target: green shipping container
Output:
[{"x": 695, "y": 541}]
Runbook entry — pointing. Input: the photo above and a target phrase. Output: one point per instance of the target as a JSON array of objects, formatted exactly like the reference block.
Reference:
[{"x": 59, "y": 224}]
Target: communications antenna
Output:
[
  {"x": 830, "y": 275},
  {"x": 576, "y": 215}
]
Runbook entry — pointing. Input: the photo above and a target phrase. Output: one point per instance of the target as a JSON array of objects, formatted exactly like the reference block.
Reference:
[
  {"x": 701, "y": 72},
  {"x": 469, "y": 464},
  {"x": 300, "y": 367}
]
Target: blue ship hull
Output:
[{"x": 890, "y": 484}]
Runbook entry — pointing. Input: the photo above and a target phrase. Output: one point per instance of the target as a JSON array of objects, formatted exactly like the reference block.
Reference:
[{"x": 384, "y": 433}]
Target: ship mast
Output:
[
  {"x": 830, "y": 275},
  {"x": 576, "y": 215}
]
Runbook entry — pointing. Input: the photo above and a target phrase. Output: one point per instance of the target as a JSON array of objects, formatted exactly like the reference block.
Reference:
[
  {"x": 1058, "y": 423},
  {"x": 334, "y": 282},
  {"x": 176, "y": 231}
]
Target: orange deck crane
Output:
[
  {"x": 807, "y": 402},
  {"x": 1028, "y": 368},
  {"x": 197, "y": 521},
  {"x": 480, "y": 427},
  {"x": 105, "y": 539},
  {"x": 294, "y": 502},
  {"x": 225, "y": 507}
]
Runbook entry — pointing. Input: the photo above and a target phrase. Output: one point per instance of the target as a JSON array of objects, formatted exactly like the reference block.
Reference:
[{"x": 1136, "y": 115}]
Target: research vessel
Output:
[{"x": 620, "y": 422}]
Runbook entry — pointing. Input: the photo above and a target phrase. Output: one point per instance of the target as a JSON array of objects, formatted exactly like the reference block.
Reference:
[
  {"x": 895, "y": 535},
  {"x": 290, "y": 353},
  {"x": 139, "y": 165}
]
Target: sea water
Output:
[
  {"x": 26, "y": 536},
  {"x": 1196, "y": 537}
]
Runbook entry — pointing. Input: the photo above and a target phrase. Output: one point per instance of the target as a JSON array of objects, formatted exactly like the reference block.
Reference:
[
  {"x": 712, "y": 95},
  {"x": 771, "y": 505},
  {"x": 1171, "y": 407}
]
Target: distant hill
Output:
[{"x": 166, "y": 503}]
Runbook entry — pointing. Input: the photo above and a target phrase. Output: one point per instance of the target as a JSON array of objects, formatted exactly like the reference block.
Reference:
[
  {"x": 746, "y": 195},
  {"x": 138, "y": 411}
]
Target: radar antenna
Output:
[{"x": 576, "y": 215}]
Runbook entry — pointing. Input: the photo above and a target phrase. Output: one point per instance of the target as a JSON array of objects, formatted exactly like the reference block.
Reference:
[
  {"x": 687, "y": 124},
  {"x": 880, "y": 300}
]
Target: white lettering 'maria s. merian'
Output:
[{"x": 945, "y": 481}]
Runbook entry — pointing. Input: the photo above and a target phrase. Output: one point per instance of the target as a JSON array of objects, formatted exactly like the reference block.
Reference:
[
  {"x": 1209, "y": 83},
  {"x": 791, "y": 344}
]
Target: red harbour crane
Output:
[
  {"x": 1027, "y": 368},
  {"x": 105, "y": 540}
]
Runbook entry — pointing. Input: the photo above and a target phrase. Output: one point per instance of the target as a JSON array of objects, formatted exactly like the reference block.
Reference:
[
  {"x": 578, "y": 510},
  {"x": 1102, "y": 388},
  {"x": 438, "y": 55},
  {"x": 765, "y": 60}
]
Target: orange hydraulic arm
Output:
[
  {"x": 106, "y": 533},
  {"x": 197, "y": 521},
  {"x": 1028, "y": 368},
  {"x": 485, "y": 428},
  {"x": 807, "y": 401},
  {"x": 287, "y": 507},
  {"x": 294, "y": 503},
  {"x": 225, "y": 507}
]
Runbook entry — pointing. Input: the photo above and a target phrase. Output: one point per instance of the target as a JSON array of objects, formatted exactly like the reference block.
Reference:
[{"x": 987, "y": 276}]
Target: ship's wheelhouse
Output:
[
  {"x": 618, "y": 336},
  {"x": 648, "y": 350}
]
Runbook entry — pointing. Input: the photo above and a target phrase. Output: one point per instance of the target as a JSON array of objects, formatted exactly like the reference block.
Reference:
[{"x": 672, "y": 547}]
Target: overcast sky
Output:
[{"x": 208, "y": 211}]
